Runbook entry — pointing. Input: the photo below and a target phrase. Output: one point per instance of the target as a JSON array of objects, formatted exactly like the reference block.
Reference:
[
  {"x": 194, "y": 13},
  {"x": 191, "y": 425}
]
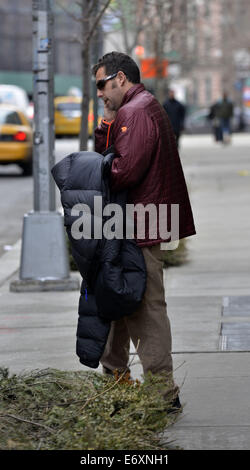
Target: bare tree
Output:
[
  {"x": 161, "y": 27},
  {"x": 164, "y": 26},
  {"x": 138, "y": 20},
  {"x": 88, "y": 13},
  {"x": 129, "y": 20}
]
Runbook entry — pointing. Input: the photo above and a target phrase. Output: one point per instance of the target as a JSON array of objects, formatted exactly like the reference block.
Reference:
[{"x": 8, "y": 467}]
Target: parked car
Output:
[
  {"x": 15, "y": 95},
  {"x": 197, "y": 122},
  {"x": 15, "y": 138},
  {"x": 68, "y": 115}
]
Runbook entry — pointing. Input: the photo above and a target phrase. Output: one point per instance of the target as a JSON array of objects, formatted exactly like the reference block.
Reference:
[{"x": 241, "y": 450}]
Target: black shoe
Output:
[{"x": 175, "y": 406}]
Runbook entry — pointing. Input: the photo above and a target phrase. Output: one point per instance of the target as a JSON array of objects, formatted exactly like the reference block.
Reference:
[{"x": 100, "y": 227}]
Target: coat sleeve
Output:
[
  {"x": 103, "y": 136},
  {"x": 134, "y": 145}
]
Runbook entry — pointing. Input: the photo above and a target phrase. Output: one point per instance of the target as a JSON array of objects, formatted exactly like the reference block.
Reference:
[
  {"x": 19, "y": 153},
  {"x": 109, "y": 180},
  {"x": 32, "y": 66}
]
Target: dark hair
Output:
[{"x": 115, "y": 61}]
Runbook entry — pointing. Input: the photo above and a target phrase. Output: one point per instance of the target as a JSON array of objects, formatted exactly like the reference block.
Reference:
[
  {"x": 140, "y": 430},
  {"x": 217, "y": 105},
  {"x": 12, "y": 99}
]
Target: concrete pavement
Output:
[
  {"x": 37, "y": 330},
  {"x": 216, "y": 379}
]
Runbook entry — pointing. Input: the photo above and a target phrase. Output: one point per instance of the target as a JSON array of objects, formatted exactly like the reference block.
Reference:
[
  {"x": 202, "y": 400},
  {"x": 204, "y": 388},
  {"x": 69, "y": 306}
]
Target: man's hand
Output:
[{"x": 108, "y": 114}]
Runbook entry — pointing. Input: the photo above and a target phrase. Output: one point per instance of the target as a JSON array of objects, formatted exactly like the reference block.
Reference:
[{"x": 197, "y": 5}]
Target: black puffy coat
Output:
[{"x": 113, "y": 271}]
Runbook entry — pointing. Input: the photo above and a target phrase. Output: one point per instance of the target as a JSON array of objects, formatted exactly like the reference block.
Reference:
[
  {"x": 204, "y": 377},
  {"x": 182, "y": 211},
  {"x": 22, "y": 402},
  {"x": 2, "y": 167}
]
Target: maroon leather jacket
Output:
[{"x": 148, "y": 165}]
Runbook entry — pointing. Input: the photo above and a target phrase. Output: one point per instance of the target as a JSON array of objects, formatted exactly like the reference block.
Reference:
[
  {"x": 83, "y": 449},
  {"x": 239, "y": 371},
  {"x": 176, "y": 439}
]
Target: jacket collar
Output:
[{"x": 133, "y": 91}]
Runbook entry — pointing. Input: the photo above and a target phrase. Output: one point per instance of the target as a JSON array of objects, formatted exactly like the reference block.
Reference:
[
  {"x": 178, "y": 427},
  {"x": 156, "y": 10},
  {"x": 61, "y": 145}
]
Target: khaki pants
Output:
[{"x": 149, "y": 324}]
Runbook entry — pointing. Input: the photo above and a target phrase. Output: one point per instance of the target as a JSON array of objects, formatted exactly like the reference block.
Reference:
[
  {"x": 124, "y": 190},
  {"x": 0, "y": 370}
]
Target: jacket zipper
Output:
[{"x": 108, "y": 133}]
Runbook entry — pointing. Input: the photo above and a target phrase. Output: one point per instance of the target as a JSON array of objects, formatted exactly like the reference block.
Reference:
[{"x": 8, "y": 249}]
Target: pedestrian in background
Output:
[
  {"x": 176, "y": 112},
  {"x": 223, "y": 113},
  {"x": 215, "y": 121}
]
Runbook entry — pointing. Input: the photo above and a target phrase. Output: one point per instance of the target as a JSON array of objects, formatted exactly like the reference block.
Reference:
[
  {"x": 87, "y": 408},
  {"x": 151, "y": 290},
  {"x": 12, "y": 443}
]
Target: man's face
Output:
[{"x": 112, "y": 93}]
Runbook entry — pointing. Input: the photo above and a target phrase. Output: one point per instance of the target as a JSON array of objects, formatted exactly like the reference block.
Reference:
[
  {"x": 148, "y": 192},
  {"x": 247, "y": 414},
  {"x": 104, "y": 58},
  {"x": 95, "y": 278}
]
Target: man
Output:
[
  {"x": 215, "y": 121},
  {"x": 147, "y": 165},
  {"x": 224, "y": 112},
  {"x": 176, "y": 113}
]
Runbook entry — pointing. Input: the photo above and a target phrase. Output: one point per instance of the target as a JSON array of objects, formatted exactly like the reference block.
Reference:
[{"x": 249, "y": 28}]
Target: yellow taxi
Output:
[
  {"x": 68, "y": 115},
  {"x": 15, "y": 138}
]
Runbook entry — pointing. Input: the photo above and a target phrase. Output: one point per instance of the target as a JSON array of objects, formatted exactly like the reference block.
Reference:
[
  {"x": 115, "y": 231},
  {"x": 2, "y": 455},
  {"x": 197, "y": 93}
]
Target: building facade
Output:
[
  {"x": 214, "y": 48},
  {"x": 16, "y": 47},
  {"x": 207, "y": 44}
]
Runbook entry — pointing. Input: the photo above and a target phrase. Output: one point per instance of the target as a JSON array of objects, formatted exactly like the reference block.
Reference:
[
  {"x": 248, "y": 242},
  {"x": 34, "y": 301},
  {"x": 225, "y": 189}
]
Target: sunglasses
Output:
[{"x": 101, "y": 83}]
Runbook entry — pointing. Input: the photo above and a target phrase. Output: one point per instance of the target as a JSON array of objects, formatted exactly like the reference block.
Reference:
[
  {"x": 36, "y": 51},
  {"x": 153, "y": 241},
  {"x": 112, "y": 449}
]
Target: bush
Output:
[
  {"x": 72, "y": 264},
  {"x": 55, "y": 410},
  {"x": 176, "y": 257}
]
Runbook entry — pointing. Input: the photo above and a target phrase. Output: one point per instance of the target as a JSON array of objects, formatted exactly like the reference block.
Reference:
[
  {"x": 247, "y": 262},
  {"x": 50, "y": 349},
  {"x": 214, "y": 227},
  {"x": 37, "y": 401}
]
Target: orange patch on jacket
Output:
[{"x": 123, "y": 129}]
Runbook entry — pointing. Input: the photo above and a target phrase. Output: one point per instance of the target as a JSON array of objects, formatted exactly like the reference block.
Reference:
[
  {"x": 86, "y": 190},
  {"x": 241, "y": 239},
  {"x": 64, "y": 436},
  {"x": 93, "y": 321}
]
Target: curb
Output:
[
  {"x": 9, "y": 266},
  {"x": 9, "y": 262},
  {"x": 45, "y": 285}
]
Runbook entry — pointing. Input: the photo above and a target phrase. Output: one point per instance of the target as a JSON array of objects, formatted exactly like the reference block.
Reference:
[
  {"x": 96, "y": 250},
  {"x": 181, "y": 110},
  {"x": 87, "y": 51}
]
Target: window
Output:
[
  {"x": 207, "y": 45},
  {"x": 9, "y": 117},
  {"x": 207, "y": 10},
  {"x": 208, "y": 90},
  {"x": 195, "y": 92},
  {"x": 68, "y": 107}
]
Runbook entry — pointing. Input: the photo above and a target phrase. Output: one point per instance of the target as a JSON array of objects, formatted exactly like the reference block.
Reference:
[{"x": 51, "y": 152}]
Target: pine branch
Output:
[
  {"x": 27, "y": 421},
  {"x": 114, "y": 384}
]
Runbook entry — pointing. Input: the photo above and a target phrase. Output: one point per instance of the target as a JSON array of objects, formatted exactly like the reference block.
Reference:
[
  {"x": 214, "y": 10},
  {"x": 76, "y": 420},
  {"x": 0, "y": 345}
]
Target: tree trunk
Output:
[
  {"x": 91, "y": 17},
  {"x": 159, "y": 81},
  {"x": 85, "y": 76},
  {"x": 85, "y": 97}
]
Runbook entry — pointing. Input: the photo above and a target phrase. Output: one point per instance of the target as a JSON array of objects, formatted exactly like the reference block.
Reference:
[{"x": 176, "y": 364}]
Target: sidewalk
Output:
[
  {"x": 38, "y": 329},
  {"x": 216, "y": 379}
]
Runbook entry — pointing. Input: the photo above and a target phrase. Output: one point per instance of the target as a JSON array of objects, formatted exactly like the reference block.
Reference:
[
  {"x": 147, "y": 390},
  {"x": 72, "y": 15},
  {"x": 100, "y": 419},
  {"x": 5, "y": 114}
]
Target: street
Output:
[
  {"x": 16, "y": 191},
  {"x": 16, "y": 195}
]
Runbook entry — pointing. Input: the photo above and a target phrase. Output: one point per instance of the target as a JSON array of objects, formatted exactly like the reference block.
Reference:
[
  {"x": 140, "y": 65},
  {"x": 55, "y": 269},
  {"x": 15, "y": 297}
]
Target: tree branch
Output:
[
  {"x": 94, "y": 25},
  {"x": 72, "y": 15},
  {"x": 92, "y": 7},
  {"x": 120, "y": 377},
  {"x": 78, "y": 3},
  {"x": 76, "y": 39},
  {"x": 27, "y": 421}
]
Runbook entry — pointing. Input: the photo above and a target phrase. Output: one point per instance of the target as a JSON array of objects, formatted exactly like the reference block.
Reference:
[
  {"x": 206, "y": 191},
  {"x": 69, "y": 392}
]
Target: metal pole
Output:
[
  {"x": 97, "y": 48},
  {"x": 43, "y": 88},
  {"x": 44, "y": 257}
]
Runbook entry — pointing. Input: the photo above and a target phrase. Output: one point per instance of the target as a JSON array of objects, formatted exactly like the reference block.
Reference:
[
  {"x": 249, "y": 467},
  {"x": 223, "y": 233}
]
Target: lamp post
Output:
[{"x": 44, "y": 258}]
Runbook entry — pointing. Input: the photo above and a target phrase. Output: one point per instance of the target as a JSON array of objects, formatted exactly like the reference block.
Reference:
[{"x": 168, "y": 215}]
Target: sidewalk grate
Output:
[
  {"x": 236, "y": 306},
  {"x": 235, "y": 336}
]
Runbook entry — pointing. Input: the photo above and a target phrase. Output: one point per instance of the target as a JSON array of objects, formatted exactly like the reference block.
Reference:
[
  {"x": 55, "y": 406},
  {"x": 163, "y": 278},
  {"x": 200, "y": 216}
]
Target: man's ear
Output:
[{"x": 121, "y": 77}]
